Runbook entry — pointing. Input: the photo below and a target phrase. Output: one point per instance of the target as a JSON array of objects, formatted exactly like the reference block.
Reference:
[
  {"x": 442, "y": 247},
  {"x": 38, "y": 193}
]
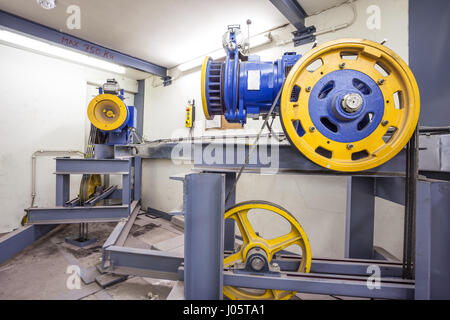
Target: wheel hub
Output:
[
  {"x": 351, "y": 102},
  {"x": 257, "y": 259}
]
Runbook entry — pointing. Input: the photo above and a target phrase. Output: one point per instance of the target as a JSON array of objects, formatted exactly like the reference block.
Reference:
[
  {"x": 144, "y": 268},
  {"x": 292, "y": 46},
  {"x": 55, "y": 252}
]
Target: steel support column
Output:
[
  {"x": 360, "y": 217},
  {"x": 204, "y": 200},
  {"x": 139, "y": 107},
  {"x": 230, "y": 178},
  {"x": 62, "y": 189},
  {"x": 432, "y": 249},
  {"x": 137, "y": 178}
]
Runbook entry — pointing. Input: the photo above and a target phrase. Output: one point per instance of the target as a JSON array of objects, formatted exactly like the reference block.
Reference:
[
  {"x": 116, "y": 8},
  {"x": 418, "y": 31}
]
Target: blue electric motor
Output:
[{"x": 241, "y": 85}]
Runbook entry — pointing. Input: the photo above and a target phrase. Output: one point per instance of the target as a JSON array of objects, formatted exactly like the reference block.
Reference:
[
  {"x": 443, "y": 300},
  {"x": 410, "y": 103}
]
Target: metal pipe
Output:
[{"x": 41, "y": 153}]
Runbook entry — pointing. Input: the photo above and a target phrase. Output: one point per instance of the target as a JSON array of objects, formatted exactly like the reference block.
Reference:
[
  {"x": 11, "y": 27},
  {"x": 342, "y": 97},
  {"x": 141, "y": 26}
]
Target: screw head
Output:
[
  {"x": 381, "y": 81},
  {"x": 342, "y": 65},
  {"x": 384, "y": 123},
  {"x": 308, "y": 89},
  {"x": 350, "y": 146},
  {"x": 312, "y": 129}
]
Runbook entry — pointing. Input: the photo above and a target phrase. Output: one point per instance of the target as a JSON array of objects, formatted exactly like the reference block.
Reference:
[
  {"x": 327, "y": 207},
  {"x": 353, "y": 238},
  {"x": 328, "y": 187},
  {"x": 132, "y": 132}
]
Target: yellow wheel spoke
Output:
[
  {"x": 244, "y": 226},
  {"x": 232, "y": 259},
  {"x": 284, "y": 241}
]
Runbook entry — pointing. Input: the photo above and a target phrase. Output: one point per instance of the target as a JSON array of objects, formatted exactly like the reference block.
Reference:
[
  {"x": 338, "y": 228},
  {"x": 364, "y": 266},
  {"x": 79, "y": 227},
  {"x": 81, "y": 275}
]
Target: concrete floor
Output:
[{"x": 40, "y": 271}]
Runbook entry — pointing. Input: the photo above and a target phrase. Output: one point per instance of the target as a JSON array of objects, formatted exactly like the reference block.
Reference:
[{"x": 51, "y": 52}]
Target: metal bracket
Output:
[
  {"x": 167, "y": 81},
  {"x": 304, "y": 36},
  {"x": 296, "y": 15}
]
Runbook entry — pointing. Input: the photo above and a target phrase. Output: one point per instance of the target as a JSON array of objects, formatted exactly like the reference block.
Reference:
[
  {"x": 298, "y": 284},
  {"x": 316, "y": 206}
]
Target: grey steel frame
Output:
[
  {"x": 43, "y": 220},
  {"x": 201, "y": 267},
  {"x": 345, "y": 277},
  {"x": 130, "y": 169},
  {"x": 432, "y": 246}
]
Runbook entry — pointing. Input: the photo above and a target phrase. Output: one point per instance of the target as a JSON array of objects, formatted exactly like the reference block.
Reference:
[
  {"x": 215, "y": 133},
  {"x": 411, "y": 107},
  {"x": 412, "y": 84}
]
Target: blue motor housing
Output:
[{"x": 241, "y": 85}]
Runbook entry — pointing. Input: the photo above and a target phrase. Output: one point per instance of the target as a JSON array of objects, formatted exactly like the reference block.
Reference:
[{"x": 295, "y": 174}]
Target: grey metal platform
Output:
[{"x": 63, "y": 213}]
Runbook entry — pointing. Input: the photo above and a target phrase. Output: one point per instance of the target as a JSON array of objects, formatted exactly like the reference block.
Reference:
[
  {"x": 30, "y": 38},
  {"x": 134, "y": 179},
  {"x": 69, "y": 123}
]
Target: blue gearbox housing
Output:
[{"x": 242, "y": 85}]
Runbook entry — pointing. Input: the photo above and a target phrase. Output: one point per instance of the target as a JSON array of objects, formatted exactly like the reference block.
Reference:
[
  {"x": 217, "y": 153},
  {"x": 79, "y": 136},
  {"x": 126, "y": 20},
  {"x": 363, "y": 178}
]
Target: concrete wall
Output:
[
  {"x": 317, "y": 202},
  {"x": 43, "y": 106}
]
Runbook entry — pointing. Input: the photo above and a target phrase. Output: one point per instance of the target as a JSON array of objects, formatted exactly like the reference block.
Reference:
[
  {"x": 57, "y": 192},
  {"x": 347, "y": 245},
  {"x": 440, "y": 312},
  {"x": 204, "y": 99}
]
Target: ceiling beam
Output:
[
  {"x": 37, "y": 30},
  {"x": 296, "y": 15}
]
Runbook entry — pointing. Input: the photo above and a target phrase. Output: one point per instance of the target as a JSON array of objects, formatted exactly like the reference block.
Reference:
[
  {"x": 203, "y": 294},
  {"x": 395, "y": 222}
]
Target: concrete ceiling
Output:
[{"x": 166, "y": 32}]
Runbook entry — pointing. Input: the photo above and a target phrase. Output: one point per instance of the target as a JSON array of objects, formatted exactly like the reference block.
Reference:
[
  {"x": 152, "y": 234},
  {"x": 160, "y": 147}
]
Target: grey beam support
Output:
[
  {"x": 296, "y": 15},
  {"x": 92, "y": 166},
  {"x": 292, "y": 10},
  {"x": 288, "y": 159},
  {"x": 139, "y": 99},
  {"x": 62, "y": 189},
  {"x": 37, "y": 30},
  {"x": 204, "y": 200},
  {"x": 391, "y": 188},
  {"x": 17, "y": 240},
  {"x": 322, "y": 284},
  {"x": 360, "y": 215},
  {"x": 388, "y": 269},
  {"x": 144, "y": 262},
  {"x": 432, "y": 240},
  {"x": 76, "y": 214},
  {"x": 126, "y": 189},
  {"x": 230, "y": 178},
  {"x": 137, "y": 178},
  {"x": 428, "y": 18},
  {"x": 126, "y": 185},
  {"x": 120, "y": 233}
]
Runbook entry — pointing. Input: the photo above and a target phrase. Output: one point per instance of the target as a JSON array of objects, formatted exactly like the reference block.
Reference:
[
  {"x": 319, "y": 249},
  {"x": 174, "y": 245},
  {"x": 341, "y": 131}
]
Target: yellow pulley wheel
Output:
[
  {"x": 251, "y": 240},
  {"x": 89, "y": 182},
  {"x": 350, "y": 105},
  {"x": 107, "y": 112}
]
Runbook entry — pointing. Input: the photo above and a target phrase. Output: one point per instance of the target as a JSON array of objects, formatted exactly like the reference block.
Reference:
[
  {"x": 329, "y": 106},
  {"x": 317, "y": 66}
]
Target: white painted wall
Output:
[
  {"x": 43, "y": 107},
  {"x": 317, "y": 202}
]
